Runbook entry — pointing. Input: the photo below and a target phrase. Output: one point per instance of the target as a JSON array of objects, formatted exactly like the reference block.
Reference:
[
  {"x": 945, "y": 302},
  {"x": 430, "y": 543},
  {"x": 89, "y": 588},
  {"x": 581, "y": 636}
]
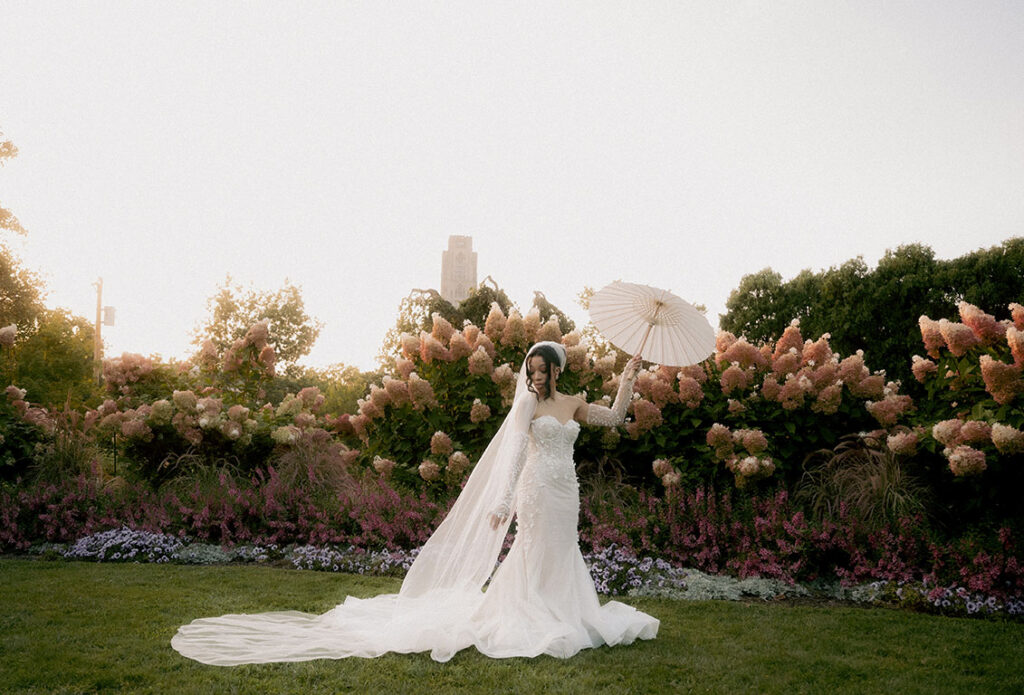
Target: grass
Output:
[{"x": 76, "y": 627}]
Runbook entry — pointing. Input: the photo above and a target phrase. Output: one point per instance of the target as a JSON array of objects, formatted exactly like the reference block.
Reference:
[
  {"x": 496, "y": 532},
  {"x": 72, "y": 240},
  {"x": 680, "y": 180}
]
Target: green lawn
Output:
[{"x": 75, "y": 627}]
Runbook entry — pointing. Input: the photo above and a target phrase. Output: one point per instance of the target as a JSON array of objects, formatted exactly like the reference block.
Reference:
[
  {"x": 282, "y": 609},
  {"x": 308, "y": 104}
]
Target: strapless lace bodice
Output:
[{"x": 551, "y": 448}]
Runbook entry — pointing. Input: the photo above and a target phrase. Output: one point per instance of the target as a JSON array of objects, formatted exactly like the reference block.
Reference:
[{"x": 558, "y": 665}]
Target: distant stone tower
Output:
[{"x": 458, "y": 269}]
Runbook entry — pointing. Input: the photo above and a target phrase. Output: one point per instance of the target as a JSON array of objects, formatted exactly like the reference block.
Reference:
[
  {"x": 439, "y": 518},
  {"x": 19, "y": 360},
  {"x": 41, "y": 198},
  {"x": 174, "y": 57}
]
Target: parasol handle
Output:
[{"x": 650, "y": 325}]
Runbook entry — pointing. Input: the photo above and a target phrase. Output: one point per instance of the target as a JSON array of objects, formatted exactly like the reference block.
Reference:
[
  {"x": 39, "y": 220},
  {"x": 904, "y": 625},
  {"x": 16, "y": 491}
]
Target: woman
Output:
[{"x": 541, "y": 600}]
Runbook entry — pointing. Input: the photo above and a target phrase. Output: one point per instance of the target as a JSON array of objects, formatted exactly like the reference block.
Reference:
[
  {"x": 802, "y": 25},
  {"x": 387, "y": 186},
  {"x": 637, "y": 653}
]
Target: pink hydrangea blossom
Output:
[
  {"x": 975, "y": 432},
  {"x": 986, "y": 329},
  {"x": 236, "y": 413},
  {"x": 503, "y": 375},
  {"x": 786, "y": 363},
  {"x": 267, "y": 358},
  {"x": 471, "y": 332},
  {"x": 304, "y": 420},
  {"x": 852, "y": 370},
  {"x": 397, "y": 391},
  {"x": 258, "y": 334},
  {"x": 485, "y": 342},
  {"x": 479, "y": 412},
  {"x": 8, "y": 334},
  {"x": 458, "y": 463},
  {"x": 735, "y": 407},
  {"x": 410, "y": 345},
  {"x": 494, "y": 326},
  {"x": 422, "y": 392},
  {"x": 791, "y": 340},
  {"x": 15, "y": 394},
  {"x": 1008, "y": 440},
  {"x": 965, "y": 460},
  {"x": 947, "y": 432},
  {"x": 379, "y": 397},
  {"x": 383, "y": 466},
  {"x": 576, "y": 359},
  {"x": 514, "y": 334},
  {"x": 734, "y": 378},
  {"x": 818, "y": 352},
  {"x": 753, "y": 440},
  {"x": 551, "y": 330},
  {"x": 661, "y": 467},
  {"x": 358, "y": 423},
  {"x": 311, "y": 398},
  {"x": 829, "y": 399},
  {"x": 888, "y": 410},
  {"x": 695, "y": 371},
  {"x": 931, "y": 336},
  {"x": 719, "y": 438},
  {"x": 231, "y": 430},
  {"x": 1015, "y": 339},
  {"x": 1003, "y": 381},
  {"x": 723, "y": 341},
  {"x": 136, "y": 428},
  {"x": 404, "y": 367},
  {"x": 571, "y": 338},
  {"x": 672, "y": 479},
  {"x": 431, "y": 349},
  {"x": 743, "y": 353},
  {"x": 442, "y": 329},
  {"x": 903, "y": 443},
  {"x": 822, "y": 375},
  {"x": 369, "y": 409},
  {"x": 458, "y": 347},
  {"x": 429, "y": 471},
  {"x": 531, "y": 324},
  {"x": 791, "y": 395},
  {"x": 690, "y": 392},
  {"x": 480, "y": 363},
  {"x": 959, "y": 338},
  {"x": 1017, "y": 314},
  {"x": 441, "y": 444},
  {"x": 646, "y": 416},
  {"x": 605, "y": 366},
  {"x": 922, "y": 368},
  {"x": 771, "y": 388},
  {"x": 869, "y": 387},
  {"x": 209, "y": 406}
]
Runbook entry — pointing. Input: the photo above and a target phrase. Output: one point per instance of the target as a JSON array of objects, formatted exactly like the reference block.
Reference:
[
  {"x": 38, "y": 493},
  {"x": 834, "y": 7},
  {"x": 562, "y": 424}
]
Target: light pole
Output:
[{"x": 97, "y": 338}]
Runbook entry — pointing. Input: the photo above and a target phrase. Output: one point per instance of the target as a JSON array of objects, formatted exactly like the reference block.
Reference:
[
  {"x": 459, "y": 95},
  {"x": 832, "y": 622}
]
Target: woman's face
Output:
[{"x": 537, "y": 370}]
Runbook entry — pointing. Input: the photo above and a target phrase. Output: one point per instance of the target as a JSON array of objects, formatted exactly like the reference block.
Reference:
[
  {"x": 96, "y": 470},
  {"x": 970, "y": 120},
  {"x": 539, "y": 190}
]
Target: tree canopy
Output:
[
  {"x": 234, "y": 309},
  {"x": 877, "y": 310}
]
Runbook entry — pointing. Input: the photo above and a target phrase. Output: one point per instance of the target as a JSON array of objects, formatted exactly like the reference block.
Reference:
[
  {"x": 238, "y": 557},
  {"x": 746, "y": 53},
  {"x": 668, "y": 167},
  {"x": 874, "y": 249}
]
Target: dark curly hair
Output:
[{"x": 551, "y": 359}]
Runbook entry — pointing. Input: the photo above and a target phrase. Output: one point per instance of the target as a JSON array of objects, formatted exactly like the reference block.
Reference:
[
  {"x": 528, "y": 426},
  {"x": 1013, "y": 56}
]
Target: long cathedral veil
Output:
[
  {"x": 462, "y": 552},
  {"x": 432, "y": 611}
]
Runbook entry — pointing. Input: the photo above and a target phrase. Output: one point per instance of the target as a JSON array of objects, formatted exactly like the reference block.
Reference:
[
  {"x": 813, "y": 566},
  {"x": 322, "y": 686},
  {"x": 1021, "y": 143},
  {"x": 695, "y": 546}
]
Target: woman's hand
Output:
[
  {"x": 632, "y": 367},
  {"x": 496, "y": 520}
]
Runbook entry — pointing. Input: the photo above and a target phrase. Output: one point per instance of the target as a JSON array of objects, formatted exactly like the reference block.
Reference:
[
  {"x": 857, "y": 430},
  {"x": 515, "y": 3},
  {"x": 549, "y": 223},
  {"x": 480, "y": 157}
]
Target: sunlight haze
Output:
[{"x": 165, "y": 146}]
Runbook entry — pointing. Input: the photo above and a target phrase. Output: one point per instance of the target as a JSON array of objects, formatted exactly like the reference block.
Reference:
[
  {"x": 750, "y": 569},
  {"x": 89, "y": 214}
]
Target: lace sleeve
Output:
[
  {"x": 616, "y": 415},
  {"x": 519, "y": 457}
]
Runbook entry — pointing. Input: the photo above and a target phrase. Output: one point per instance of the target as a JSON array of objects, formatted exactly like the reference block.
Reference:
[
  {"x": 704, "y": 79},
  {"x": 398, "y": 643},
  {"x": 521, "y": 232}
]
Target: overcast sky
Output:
[{"x": 165, "y": 145}]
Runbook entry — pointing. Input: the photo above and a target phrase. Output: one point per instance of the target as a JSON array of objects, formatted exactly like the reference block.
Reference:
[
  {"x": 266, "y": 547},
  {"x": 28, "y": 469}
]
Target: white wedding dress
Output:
[{"x": 540, "y": 600}]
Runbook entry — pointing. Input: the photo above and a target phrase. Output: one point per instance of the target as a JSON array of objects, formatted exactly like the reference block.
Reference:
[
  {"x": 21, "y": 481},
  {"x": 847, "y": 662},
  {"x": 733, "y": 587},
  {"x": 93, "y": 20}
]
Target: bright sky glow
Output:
[{"x": 678, "y": 144}]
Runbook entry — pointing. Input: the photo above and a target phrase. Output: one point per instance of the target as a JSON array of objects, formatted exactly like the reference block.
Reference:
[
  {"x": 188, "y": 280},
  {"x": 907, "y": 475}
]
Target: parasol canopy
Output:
[{"x": 651, "y": 322}]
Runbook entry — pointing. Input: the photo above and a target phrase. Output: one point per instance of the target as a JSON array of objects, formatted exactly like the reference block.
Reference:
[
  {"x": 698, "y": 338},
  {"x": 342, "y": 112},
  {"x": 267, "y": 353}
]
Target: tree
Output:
[
  {"x": 21, "y": 292},
  {"x": 54, "y": 361},
  {"x": 341, "y": 385},
  {"x": 234, "y": 309},
  {"x": 877, "y": 310},
  {"x": 7, "y": 219}
]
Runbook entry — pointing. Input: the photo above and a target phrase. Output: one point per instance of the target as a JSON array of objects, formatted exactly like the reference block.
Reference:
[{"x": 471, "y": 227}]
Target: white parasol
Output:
[{"x": 651, "y": 322}]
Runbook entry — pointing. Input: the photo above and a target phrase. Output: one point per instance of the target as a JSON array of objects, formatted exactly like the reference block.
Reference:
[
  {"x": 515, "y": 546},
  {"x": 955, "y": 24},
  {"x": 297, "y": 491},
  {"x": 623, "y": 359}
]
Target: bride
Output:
[{"x": 540, "y": 600}]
